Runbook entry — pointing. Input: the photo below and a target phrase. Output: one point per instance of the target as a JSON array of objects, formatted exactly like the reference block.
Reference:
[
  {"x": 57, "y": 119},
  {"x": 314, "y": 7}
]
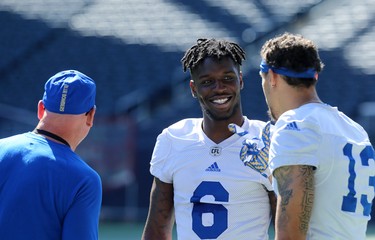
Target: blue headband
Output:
[{"x": 309, "y": 73}]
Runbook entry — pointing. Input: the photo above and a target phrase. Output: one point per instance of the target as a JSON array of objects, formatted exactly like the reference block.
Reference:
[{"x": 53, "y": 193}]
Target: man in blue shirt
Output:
[{"x": 46, "y": 190}]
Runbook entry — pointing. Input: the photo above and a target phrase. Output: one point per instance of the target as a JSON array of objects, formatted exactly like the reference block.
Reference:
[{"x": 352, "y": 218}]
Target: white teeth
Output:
[{"x": 220, "y": 101}]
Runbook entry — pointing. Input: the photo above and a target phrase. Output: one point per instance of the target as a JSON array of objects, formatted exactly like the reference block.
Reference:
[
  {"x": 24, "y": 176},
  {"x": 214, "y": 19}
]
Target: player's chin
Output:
[
  {"x": 271, "y": 115},
  {"x": 220, "y": 114}
]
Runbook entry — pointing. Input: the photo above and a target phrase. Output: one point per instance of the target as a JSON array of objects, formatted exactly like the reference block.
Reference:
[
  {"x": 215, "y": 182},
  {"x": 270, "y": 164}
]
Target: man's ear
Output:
[
  {"x": 273, "y": 78},
  {"x": 41, "y": 109},
  {"x": 193, "y": 89},
  {"x": 90, "y": 117},
  {"x": 241, "y": 81}
]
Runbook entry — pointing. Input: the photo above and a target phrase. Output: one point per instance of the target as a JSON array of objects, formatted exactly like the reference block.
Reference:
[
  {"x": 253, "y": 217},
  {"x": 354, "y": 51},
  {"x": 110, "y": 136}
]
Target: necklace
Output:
[{"x": 51, "y": 135}]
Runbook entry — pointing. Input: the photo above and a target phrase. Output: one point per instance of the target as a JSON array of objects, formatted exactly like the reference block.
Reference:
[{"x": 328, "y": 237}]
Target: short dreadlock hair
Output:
[{"x": 212, "y": 48}]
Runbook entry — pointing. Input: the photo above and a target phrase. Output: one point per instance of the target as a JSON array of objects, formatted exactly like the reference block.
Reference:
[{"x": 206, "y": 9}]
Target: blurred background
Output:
[{"x": 132, "y": 49}]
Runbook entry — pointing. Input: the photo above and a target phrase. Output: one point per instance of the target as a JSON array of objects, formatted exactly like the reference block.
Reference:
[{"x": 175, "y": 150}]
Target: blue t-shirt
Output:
[{"x": 46, "y": 191}]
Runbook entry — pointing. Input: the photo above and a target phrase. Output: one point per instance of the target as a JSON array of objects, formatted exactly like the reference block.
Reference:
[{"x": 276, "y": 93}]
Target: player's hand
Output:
[{"x": 254, "y": 151}]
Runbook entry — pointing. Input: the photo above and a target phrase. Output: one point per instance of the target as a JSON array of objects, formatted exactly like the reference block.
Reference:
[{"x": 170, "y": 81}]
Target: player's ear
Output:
[
  {"x": 193, "y": 88},
  {"x": 272, "y": 77},
  {"x": 241, "y": 81}
]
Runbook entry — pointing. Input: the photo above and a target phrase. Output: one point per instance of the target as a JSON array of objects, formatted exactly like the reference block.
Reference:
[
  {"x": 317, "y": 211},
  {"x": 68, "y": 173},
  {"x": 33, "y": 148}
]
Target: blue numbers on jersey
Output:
[
  {"x": 218, "y": 211},
  {"x": 349, "y": 203}
]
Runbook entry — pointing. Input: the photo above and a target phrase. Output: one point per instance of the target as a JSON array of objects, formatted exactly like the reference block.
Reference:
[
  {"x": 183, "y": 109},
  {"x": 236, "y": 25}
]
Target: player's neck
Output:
[
  {"x": 217, "y": 130},
  {"x": 296, "y": 99}
]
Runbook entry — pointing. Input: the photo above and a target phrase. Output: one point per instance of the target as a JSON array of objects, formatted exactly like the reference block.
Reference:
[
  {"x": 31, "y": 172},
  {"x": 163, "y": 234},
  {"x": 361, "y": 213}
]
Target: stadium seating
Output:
[{"x": 133, "y": 48}]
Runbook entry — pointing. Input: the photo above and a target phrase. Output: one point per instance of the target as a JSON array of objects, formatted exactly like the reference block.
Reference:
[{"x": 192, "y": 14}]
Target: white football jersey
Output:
[
  {"x": 321, "y": 136},
  {"x": 215, "y": 195}
]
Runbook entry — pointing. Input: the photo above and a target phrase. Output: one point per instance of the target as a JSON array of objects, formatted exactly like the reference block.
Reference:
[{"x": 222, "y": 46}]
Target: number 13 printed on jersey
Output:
[{"x": 349, "y": 203}]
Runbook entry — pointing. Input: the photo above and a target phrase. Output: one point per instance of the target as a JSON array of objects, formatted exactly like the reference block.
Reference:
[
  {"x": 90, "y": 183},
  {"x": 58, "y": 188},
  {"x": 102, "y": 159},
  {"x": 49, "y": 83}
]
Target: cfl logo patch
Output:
[{"x": 215, "y": 151}]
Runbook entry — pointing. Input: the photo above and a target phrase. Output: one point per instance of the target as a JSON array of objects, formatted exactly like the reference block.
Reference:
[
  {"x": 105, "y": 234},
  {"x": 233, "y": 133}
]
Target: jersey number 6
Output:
[{"x": 218, "y": 211}]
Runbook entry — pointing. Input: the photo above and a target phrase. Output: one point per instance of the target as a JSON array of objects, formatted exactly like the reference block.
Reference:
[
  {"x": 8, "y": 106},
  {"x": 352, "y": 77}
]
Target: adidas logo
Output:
[
  {"x": 213, "y": 168},
  {"x": 292, "y": 126}
]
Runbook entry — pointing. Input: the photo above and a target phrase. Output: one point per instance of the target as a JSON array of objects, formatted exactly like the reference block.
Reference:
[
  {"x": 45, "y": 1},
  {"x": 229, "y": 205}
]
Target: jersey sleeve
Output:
[
  {"x": 82, "y": 219},
  {"x": 159, "y": 163},
  {"x": 294, "y": 143}
]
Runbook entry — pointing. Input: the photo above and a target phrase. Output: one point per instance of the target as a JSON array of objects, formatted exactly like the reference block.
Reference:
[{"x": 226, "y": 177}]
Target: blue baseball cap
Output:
[{"x": 69, "y": 92}]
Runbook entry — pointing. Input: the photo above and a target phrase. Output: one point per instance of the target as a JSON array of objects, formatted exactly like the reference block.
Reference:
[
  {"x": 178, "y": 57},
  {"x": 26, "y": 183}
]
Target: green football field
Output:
[
  {"x": 133, "y": 231},
  {"x": 123, "y": 231}
]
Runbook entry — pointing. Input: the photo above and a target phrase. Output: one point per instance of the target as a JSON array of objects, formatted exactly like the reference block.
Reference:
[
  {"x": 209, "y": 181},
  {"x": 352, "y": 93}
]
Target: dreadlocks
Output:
[{"x": 212, "y": 48}]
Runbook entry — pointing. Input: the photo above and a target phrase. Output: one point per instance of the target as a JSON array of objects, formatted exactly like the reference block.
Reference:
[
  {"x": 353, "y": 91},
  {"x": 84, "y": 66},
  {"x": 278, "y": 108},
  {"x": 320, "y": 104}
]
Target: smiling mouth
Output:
[{"x": 221, "y": 101}]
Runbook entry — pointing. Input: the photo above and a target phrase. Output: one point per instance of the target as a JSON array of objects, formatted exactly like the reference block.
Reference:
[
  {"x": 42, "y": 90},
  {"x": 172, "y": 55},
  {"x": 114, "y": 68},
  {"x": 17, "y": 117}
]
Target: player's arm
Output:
[
  {"x": 273, "y": 202},
  {"x": 160, "y": 218},
  {"x": 294, "y": 202}
]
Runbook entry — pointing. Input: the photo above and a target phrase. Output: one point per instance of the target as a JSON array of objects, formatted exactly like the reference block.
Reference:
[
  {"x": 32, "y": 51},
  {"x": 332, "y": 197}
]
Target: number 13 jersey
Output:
[
  {"x": 321, "y": 136},
  {"x": 215, "y": 195}
]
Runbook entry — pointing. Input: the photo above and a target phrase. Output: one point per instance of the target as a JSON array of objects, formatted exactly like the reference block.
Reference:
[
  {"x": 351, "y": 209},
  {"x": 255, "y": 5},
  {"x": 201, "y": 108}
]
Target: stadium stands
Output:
[{"x": 133, "y": 49}]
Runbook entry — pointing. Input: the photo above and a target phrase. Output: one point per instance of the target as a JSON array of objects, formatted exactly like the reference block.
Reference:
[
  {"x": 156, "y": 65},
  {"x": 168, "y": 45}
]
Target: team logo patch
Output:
[
  {"x": 215, "y": 151},
  {"x": 254, "y": 152}
]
